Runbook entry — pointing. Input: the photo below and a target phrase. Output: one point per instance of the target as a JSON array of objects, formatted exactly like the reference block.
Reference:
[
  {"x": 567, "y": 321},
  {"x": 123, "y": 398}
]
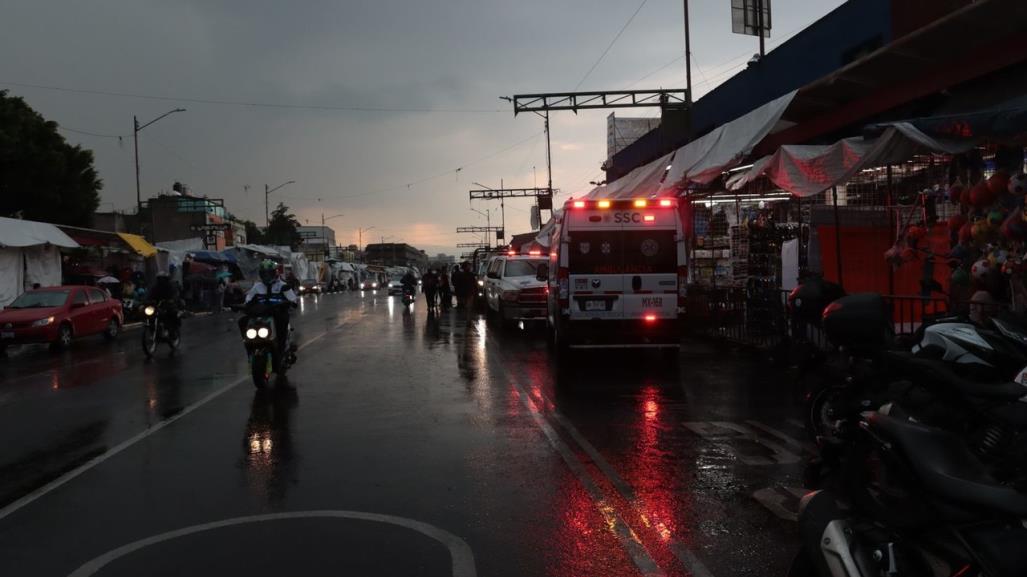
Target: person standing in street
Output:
[
  {"x": 469, "y": 282},
  {"x": 458, "y": 286},
  {"x": 430, "y": 284},
  {"x": 445, "y": 289}
]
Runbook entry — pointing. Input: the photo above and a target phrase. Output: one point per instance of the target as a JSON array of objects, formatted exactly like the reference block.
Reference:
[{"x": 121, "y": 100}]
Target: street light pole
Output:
[
  {"x": 324, "y": 230},
  {"x": 488, "y": 224},
  {"x": 267, "y": 193},
  {"x": 136, "y": 127},
  {"x": 360, "y": 240}
]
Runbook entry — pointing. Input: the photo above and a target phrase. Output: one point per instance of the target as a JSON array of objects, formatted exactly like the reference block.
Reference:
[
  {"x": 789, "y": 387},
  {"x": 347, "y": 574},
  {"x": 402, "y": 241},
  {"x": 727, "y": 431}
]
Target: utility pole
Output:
[
  {"x": 267, "y": 193},
  {"x": 360, "y": 240},
  {"x": 135, "y": 141},
  {"x": 324, "y": 230},
  {"x": 688, "y": 57},
  {"x": 759, "y": 24}
]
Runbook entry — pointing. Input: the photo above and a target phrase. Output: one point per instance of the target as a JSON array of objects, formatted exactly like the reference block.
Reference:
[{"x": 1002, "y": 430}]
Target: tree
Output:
[
  {"x": 253, "y": 233},
  {"x": 42, "y": 177},
  {"x": 283, "y": 229}
]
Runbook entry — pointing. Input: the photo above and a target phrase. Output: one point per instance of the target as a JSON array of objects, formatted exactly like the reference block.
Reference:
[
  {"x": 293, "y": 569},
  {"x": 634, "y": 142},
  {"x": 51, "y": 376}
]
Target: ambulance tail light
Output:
[
  {"x": 563, "y": 281},
  {"x": 665, "y": 202},
  {"x": 650, "y": 319}
]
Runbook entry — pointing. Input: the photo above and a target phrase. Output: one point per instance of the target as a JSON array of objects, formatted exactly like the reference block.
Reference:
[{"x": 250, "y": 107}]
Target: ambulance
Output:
[{"x": 617, "y": 274}]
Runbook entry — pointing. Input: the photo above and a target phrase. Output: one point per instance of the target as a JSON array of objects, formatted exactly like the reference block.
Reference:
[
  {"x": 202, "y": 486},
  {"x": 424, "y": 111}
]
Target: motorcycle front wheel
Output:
[
  {"x": 174, "y": 338},
  {"x": 149, "y": 340},
  {"x": 260, "y": 366}
]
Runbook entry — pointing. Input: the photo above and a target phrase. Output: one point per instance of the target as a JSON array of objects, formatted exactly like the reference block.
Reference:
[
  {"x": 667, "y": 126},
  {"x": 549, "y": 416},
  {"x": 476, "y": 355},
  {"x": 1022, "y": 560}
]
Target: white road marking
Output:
[
  {"x": 629, "y": 541},
  {"x": 57, "y": 483},
  {"x": 787, "y": 439},
  {"x": 781, "y": 501},
  {"x": 462, "y": 559},
  {"x": 719, "y": 432}
]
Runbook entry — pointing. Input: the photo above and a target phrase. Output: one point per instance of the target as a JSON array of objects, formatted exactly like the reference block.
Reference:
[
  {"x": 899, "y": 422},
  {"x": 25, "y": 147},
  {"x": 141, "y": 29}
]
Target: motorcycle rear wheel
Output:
[{"x": 260, "y": 367}]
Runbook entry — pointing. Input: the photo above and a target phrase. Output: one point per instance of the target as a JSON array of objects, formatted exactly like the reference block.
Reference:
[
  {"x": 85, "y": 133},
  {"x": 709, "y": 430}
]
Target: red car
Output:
[{"x": 56, "y": 315}]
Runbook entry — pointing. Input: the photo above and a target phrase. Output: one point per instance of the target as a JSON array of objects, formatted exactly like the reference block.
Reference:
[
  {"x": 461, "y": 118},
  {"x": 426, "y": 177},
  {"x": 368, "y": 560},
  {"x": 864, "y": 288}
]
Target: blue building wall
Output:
[{"x": 843, "y": 35}]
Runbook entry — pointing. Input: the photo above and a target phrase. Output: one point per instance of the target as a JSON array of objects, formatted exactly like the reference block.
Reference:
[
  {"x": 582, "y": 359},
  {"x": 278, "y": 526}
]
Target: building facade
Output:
[
  {"x": 395, "y": 254},
  {"x": 318, "y": 242}
]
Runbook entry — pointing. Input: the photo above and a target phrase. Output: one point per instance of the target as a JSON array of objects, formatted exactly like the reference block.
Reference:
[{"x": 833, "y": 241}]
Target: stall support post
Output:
[
  {"x": 837, "y": 236},
  {"x": 891, "y": 225}
]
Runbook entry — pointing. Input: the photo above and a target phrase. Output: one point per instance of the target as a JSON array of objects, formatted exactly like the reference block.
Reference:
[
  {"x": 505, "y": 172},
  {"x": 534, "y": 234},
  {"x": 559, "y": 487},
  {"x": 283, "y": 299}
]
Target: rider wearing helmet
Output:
[
  {"x": 272, "y": 284},
  {"x": 165, "y": 291}
]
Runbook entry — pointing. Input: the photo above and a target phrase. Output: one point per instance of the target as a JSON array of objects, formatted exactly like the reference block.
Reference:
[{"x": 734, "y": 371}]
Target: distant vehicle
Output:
[
  {"x": 616, "y": 274},
  {"x": 309, "y": 286},
  {"x": 57, "y": 315},
  {"x": 395, "y": 287},
  {"x": 513, "y": 290}
]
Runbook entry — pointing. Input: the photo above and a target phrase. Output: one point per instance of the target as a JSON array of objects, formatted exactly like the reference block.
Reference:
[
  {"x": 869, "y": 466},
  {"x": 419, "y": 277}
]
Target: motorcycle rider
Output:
[
  {"x": 271, "y": 284},
  {"x": 165, "y": 291},
  {"x": 409, "y": 282}
]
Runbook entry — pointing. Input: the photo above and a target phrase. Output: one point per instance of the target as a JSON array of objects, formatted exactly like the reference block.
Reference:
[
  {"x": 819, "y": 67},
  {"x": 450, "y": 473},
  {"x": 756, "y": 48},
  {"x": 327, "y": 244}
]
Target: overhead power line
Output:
[
  {"x": 608, "y": 47},
  {"x": 251, "y": 104}
]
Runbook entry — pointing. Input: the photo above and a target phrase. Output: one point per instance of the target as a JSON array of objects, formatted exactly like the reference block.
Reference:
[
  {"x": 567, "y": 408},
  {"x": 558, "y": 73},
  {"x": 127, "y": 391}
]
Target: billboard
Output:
[{"x": 745, "y": 17}]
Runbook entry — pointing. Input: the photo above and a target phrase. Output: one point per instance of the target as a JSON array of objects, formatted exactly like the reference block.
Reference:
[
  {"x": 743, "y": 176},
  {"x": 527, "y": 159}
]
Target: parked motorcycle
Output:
[
  {"x": 911, "y": 500},
  {"x": 268, "y": 354},
  {"x": 160, "y": 324}
]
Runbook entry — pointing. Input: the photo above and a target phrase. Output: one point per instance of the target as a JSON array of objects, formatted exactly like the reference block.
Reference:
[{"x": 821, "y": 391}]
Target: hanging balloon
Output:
[
  {"x": 956, "y": 193},
  {"x": 908, "y": 254},
  {"x": 998, "y": 183},
  {"x": 1013, "y": 228},
  {"x": 980, "y": 231},
  {"x": 981, "y": 269},
  {"x": 996, "y": 217},
  {"x": 965, "y": 233},
  {"x": 959, "y": 252},
  {"x": 916, "y": 232},
  {"x": 998, "y": 257},
  {"x": 956, "y": 222},
  {"x": 981, "y": 195},
  {"x": 1017, "y": 184},
  {"x": 960, "y": 277}
]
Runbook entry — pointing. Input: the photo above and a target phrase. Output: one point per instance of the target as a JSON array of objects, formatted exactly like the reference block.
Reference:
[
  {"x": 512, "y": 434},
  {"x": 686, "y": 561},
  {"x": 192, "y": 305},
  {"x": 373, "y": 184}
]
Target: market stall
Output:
[{"x": 29, "y": 255}]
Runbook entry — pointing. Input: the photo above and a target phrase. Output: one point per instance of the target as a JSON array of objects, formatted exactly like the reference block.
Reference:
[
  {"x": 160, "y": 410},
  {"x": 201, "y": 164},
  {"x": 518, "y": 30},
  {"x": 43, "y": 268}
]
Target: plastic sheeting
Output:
[
  {"x": 805, "y": 170},
  {"x": 17, "y": 233},
  {"x": 42, "y": 265},
  {"x": 11, "y": 281},
  {"x": 725, "y": 147},
  {"x": 643, "y": 182}
]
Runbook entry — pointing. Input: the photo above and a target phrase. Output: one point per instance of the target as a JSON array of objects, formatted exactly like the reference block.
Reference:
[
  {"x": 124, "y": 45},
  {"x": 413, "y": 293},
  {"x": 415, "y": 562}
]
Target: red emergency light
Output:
[
  {"x": 535, "y": 252},
  {"x": 603, "y": 204},
  {"x": 640, "y": 203},
  {"x": 579, "y": 204},
  {"x": 650, "y": 318},
  {"x": 649, "y": 218},
  {"x": 665, "y": 202}
]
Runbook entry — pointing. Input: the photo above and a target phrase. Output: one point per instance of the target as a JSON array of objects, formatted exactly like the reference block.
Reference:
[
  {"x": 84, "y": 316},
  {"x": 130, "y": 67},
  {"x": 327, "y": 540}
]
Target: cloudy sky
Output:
[{"x": 385, "y": 111}]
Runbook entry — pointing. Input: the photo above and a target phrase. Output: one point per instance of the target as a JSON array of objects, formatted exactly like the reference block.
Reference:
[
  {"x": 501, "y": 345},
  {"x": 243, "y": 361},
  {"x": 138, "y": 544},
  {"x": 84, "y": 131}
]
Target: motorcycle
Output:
[
  {"x": 911, "y": 499},
  {"x": 409, "y": 296},
  {"x": 267, "y": 353},
  {"x": 157, "y": 329}
]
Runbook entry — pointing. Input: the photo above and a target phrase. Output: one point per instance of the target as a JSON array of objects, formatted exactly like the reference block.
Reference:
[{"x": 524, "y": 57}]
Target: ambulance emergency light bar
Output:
[{"x": 622, "y": 204}]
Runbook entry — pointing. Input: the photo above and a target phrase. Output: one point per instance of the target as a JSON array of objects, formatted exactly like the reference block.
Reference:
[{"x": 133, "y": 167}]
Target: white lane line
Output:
[
  {"x": 787, "y": 439},
  {"x": 461, "y": 557},
  {"x": 629, "y": 541},
  {"x": 97, "y": 460},
  {"x": 682, "y": 552}
]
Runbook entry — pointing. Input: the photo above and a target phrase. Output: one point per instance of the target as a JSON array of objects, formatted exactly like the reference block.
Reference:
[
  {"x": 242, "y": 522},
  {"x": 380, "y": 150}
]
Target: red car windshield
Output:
[{"x": 40, "y": 299}]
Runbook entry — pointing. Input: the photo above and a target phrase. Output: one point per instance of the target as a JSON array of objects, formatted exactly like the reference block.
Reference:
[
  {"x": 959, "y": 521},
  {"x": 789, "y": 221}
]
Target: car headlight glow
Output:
[
  {"x": 149, "y": 310},
  {"x": 374, "y": 285},
  {"x": 251, "y": 333},
  {"x": 43, "y": 322},
  {"x": 481, "y": 283},
  {"x": 262, "y": 332}
]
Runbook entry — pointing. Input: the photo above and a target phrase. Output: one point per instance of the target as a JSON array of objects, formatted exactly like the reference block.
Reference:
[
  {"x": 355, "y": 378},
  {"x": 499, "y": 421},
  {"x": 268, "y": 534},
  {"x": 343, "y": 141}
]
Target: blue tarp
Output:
[{"x": 208, "y": 256}]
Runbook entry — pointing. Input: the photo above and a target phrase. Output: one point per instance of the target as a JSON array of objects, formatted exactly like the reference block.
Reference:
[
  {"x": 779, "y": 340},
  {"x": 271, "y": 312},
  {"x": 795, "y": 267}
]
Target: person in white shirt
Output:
[{"x": 271, "y": 284}]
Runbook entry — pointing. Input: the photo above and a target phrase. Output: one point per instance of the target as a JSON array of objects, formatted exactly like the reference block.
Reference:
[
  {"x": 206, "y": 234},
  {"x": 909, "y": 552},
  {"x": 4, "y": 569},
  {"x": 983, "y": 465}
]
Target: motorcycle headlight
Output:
[
  {"x": 481, "y": 283},
  {"x": 374, "y": 285},
  {"x": 262, "y": 332},
  {"x": 150, "y": 310},
  {"x": 43, "y": 322},
  {"x": 251, "y": 333}
]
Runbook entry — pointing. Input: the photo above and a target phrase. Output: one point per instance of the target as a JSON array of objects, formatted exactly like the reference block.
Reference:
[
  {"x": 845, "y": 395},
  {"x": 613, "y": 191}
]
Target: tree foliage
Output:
[
  {"x": 254, "y": 235},
  {"x": 42, "y": 177},
  {"x": 283, "y": 230}
]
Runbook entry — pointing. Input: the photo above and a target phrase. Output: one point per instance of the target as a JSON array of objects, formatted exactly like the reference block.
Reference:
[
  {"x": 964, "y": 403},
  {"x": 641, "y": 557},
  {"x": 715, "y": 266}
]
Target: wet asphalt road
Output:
[{"x": 411, "y": 445}]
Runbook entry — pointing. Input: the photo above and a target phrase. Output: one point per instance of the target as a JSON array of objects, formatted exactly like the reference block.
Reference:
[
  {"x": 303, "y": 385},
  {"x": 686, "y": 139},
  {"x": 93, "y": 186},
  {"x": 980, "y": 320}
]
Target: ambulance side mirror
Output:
[{"x": 542, "y": 273}]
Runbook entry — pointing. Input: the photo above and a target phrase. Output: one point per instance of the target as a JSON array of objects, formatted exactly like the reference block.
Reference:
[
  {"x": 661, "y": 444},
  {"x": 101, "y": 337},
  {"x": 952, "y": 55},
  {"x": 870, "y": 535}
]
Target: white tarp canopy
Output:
[
  {"x": 644, "y": 181},
  {"x": 264, "y": 250},
  {"x": 20, "y": 233},
  {"x": 805, "y": 170},
  {"x": 705, "y": 158},
  {"x": 29, "y": 255},
  {"x": 184, "y": 245},
  {"x": 542, "y": 238}
]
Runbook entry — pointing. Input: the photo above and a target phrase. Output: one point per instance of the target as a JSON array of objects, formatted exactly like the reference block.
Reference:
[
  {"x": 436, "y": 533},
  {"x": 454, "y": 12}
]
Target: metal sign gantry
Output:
[{"x": 595, "y": 100}]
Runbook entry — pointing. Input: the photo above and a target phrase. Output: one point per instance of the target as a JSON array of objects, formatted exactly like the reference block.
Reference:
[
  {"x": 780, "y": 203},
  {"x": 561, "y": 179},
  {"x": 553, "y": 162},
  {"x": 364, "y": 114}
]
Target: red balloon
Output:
[
  {"x": 908, "y": 254},
  {"x": 956, "y": 222},
  {"x": 998, "y": 183},
  {"x": 956, "y": 193},
  {"x": 916, "y": 232},
  {"x": 981, "y": 195},
  {"x": 965, "y": 234}
]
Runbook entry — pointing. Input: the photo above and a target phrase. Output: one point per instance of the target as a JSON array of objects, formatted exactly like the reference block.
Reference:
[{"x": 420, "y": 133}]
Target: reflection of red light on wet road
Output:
[{"x": 652, "y": 410}]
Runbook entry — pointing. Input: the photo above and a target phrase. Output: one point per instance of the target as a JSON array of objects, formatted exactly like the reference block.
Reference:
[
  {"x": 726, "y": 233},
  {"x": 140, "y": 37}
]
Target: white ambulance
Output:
[{"x": 617, "y": 274}]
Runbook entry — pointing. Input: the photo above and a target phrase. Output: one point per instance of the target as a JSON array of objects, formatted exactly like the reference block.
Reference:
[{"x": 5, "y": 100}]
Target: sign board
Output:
[
  {"x": 545, "y": 202},
  {"x": 536, "y": 220},
  {"x": 745, "y": 17},
  {"x": 500, "y": 235}
]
